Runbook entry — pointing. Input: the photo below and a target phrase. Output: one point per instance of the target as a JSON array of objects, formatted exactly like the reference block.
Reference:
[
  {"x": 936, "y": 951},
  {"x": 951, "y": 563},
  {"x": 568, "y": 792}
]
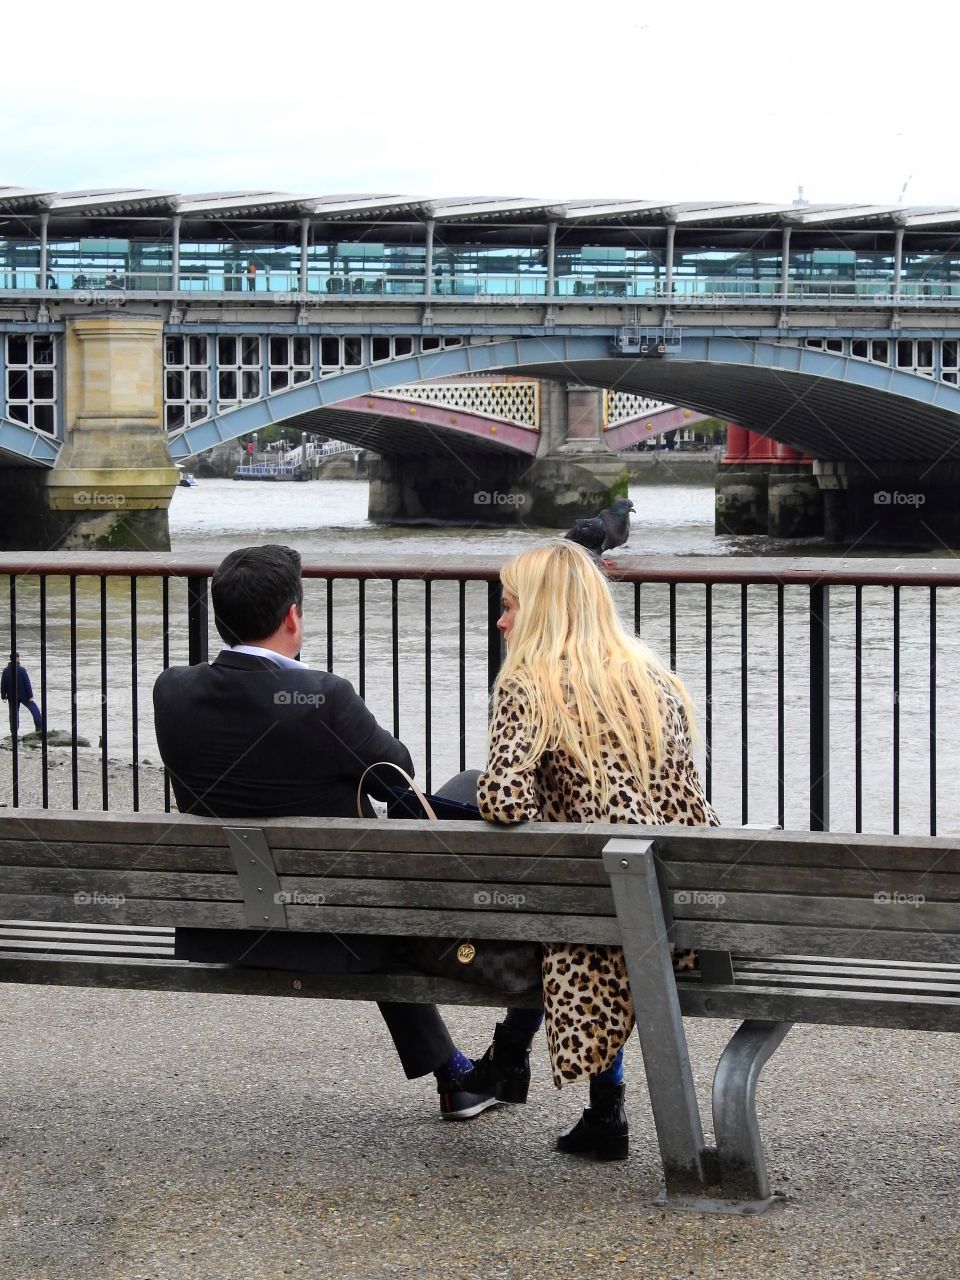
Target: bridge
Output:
[{"x": 141, "y": 327}]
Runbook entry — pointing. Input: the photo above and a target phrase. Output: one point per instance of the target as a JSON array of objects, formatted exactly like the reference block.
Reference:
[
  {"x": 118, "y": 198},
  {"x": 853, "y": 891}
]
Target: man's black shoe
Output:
[{"x": 458, "y": 1103}]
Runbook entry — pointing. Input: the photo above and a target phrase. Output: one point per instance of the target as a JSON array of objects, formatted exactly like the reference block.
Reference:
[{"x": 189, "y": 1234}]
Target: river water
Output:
[{"x": 327, "y": 522}]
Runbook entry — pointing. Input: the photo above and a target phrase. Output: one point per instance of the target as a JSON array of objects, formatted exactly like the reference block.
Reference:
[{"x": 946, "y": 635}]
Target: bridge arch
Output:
[{"x": 832, "y": 406}]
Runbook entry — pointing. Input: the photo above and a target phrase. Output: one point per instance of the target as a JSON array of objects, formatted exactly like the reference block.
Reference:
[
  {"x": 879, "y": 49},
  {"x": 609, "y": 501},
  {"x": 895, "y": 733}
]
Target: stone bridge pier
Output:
[
  {"x": 113, "y": 480},
  {"x": 573, "y": 473}
]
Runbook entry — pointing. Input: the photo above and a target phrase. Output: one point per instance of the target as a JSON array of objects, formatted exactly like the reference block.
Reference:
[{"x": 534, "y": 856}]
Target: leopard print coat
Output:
[{"x": 586, "y": 993}]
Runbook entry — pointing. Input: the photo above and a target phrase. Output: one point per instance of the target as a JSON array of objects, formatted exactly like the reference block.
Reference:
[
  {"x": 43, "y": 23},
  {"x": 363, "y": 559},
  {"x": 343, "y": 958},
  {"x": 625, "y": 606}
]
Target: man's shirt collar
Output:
[{"x": 270, "y": 654}]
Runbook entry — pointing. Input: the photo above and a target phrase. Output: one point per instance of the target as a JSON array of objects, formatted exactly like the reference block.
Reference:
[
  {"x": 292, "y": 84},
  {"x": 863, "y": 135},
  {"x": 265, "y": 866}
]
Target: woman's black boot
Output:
[
  {"x": 504, "y": 1069},
  {"x": 601, "y": 1132}
]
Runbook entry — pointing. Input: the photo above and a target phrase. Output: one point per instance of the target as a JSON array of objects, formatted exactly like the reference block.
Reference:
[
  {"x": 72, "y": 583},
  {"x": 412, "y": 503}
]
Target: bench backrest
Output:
[
  {"x": 747, "y": 891},
  {"x": 408, "y": 878},
  {"x": 811, "y": 893}
]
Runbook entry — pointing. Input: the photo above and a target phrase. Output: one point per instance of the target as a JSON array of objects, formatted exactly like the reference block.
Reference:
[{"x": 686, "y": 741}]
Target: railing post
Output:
[
  {"x": 44, "y": 224},
  {"x": 897, "y": 262},
  {"x": 820, "y": 707},
  {"x": 494, "y": 638},
  {"x": 175, "y": 254},
  {"x": 428, "y": 260},
  {"x": 304, "y": 251},
  {"x": 198, "y": 649}
]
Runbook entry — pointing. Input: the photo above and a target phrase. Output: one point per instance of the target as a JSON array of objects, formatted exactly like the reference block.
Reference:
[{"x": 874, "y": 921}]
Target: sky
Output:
[{"x": 742, "y": 100}]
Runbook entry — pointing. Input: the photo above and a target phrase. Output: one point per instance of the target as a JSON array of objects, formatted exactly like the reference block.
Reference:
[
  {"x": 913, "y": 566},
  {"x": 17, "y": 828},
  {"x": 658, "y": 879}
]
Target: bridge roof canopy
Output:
[
  {"x": 113, "y": 202},
  {"x": 279, "y": 206},
  {"x": 25, "y": 199}
]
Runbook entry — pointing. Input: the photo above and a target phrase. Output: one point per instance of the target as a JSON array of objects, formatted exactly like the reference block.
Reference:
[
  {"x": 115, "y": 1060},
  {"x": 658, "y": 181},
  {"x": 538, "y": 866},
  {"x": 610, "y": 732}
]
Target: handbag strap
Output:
[{"x": 427, "y": 806}]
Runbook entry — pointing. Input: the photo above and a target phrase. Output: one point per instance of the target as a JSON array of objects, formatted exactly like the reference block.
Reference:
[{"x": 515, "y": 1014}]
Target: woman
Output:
[{"x": 587, "y": 726}]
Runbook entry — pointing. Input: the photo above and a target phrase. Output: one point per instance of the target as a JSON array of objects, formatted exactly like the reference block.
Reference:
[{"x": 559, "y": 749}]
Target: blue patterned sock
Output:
[{"x": 457, "y": 1065}]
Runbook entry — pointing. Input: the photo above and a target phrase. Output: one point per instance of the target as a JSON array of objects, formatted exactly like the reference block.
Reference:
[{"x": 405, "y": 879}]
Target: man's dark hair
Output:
[{"x": 252, "y": 590}]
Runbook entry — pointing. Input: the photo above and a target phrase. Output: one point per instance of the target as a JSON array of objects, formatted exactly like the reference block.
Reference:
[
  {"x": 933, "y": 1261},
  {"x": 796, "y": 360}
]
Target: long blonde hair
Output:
[{"x": 580, "y": 675}]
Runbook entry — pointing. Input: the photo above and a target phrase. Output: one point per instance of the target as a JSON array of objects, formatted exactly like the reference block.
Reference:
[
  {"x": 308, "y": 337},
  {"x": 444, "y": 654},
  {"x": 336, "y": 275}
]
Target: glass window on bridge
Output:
[
  {"x": 291, "y": 361},
  {"x": 109, "y": 263},
  {"x": 366, "y": 267},
  {"x": 239, "y": 367},
  {"x": 186, "y": 380},
  {"x": 235, "y": 266},
  {"x": 702, "y": 269},
  {"x": 841, "y": 272},
  {"x": 932, "y": 273},
  {"x": 30, "y": 384},
  {"x": 484, "y": 269},
  {"x": 20, "y": 263},
  {"x": 607, "y": 271}
]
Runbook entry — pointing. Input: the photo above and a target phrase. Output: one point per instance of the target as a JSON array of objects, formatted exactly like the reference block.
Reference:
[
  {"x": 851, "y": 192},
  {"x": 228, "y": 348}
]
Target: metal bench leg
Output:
[
  {"x": 666, "y": 1060},
  {"x": 743, "y": 1172}
]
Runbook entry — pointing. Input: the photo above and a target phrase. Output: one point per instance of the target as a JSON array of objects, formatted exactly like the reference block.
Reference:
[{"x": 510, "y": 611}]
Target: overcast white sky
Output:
[{"x": 738, "y": 100}]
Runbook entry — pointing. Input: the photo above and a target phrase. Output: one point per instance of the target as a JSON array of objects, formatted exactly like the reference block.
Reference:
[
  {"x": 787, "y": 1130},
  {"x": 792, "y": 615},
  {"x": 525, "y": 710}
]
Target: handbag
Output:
[{"x": 510, "y": 967}]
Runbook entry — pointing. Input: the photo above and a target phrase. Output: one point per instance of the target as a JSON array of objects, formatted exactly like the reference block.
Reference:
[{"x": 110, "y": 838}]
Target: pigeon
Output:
[{"x": 604, "y": 532}]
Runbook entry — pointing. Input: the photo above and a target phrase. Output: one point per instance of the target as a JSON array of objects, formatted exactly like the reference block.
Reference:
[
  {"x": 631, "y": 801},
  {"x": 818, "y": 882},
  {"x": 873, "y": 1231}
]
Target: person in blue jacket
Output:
[{"x": 15, "y": 688}]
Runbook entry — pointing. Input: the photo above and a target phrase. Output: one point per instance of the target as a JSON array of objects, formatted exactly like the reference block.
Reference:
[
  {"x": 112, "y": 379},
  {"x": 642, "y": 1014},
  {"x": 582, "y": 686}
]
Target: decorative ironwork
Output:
[
  {"x": 623, "y": 406},
  {"x": 516, "y": 402}
]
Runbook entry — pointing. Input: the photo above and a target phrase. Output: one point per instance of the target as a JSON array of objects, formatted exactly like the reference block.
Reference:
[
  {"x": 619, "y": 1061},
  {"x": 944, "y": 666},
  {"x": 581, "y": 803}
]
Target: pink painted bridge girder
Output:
[
  {"x": 507, "y": 435},
  {"x": 647, "y": 425}
]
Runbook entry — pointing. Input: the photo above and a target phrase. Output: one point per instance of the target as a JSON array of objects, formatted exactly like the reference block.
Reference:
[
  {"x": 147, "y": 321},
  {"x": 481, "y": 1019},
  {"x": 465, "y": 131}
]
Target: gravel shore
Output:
[{"x": 150, "y": 1136}]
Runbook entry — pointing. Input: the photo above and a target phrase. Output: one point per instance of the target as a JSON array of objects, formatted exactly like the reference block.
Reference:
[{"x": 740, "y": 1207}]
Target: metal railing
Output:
[
  {"x": 284, "y": 287},
  {"x": 832, "y": 686}
]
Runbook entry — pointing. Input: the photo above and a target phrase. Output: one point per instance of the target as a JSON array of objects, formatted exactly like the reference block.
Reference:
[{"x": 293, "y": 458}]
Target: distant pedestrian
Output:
[
  {"x": 15, "y": 688},
  {"x": 251, "y": 275}
]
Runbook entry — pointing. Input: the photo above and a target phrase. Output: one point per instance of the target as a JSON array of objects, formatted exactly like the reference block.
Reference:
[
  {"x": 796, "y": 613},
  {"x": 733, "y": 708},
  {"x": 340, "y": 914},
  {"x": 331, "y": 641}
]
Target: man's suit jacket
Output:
[{"x": 245, "y": 738}]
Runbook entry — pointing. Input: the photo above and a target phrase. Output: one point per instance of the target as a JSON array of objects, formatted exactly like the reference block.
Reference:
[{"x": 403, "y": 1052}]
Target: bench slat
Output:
[
  {"x": 843, "y": 982},
  {"x": 714, "y": 845},
  {"x": 807, "y": 880},
  {"x": 395, "y": 865},
  {"x": 855, "y": 969},
  {"x": 764, "y": 940},
  {"x": 535, "y": 839},
  {"x": 796, "y": 909},
  {"x": 28, "y": 946},
  {"x": 329, "y": 890},
  {"x": 809, "y": 1005},
  {"x": 514, "y": 925}
]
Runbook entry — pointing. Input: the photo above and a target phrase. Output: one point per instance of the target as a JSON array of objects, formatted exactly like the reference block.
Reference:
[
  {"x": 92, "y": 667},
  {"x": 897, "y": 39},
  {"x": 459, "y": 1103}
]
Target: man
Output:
[
  {"x": 15, "y": 688},
  {"x": 256, "y": 734}
]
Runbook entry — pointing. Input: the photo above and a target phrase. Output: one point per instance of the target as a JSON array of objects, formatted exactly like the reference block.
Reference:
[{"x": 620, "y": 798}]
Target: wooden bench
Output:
[{"x": 791, "y": 927}]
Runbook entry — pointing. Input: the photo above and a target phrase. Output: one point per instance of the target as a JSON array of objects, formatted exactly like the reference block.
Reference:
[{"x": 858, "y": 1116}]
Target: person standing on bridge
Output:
[
  {"x": 251, "y": 275},
  {"x": 16, "y": 689},
  {"x": 588, "y": 725}
]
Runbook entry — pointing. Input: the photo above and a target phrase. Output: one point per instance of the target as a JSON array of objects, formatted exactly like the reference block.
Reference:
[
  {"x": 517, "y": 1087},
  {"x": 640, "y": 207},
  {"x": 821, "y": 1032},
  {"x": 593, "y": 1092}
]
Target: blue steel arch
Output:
[
  {"x": 832, "y": 406},
  {"x": 25, "y": 445}
]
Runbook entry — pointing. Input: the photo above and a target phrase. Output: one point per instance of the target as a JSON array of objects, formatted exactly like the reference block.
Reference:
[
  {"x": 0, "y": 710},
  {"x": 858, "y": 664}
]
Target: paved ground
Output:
[{"x": 174, "y": 1137}]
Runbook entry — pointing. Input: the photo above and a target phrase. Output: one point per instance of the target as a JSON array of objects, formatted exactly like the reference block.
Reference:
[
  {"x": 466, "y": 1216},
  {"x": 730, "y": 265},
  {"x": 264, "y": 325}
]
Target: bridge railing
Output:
[
  {"x": 828, "y": 695},
  {"x": 284, "y": 286}
]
